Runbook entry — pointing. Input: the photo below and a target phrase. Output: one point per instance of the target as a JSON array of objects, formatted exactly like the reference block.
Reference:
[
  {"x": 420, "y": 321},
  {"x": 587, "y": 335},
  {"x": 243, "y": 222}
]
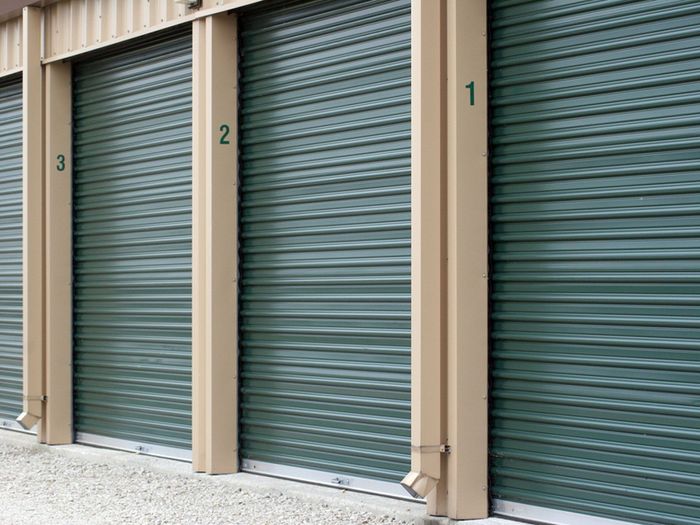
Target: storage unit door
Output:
[
  {"x": 10, "y": 252},
  {"x": 596, "y": 260},
  {"x": 325, "y": 241},
  {"x": 132, "y": 247}
]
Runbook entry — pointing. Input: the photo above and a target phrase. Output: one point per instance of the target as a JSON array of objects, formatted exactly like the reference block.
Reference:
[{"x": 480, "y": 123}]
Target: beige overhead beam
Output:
[
  {"x": 428, "y": 172},
  {"x": 467, "y": 255},
  {"x": 32, "y": 220},
  {"x": 215, "y": 245},
  {"x": 57, "y": 427}
]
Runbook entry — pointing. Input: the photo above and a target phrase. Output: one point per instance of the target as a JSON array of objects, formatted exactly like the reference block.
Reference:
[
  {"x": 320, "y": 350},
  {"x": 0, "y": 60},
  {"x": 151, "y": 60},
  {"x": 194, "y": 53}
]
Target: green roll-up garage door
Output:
[
  {"x": 10, "y": 252},
  {"x": 132, "y": 246},
  {"x": 325, "y": 241},
  {"x": 596, "y": 260}
]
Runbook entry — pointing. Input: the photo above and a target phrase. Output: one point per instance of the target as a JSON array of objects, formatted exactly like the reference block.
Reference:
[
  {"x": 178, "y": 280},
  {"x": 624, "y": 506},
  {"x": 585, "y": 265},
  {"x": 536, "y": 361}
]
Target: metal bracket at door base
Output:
[{"x": 342, "y": 481}]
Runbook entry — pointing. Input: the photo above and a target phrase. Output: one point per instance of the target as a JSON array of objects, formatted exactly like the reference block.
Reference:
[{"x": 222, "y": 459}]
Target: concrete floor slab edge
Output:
[{"x": 430, "y": 520}]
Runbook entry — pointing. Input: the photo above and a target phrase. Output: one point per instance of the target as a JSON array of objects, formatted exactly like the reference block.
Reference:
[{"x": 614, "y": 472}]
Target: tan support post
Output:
[
  {"x": 33, "y": 219},
  {"x": 467, "y": 273},
  {"x": 215, "y": 246},
  {"x": 428, "y": 165},
  {"x": 57, "y": 427}
]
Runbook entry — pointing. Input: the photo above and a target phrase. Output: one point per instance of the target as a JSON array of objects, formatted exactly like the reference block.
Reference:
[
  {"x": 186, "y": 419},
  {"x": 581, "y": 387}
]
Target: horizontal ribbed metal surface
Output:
[
  {"x": 596, "y": 257},
  {"x": 10, "y": 249},
  {"x": 132, "y": 243},
  {"x": 325, "y": 237}
]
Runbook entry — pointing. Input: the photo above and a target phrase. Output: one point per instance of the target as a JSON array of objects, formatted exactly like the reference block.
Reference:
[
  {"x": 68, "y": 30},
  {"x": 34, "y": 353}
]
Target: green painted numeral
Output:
[
  {"x": 225, "y": 130},
  {"x": 61, "y": 162},
  {"x": 471, "y": 89}
]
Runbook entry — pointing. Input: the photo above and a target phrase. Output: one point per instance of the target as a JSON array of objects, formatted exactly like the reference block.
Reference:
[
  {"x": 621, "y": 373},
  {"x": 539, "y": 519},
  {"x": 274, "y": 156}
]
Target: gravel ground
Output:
[{"x": 48, "y": 486}]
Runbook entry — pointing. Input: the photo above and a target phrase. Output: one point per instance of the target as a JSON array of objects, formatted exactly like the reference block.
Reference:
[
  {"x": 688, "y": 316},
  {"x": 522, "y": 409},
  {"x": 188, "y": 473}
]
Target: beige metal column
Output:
[
  {"x": 33, "y": 219},
  {"x": 428, "y": 167},
  {"x": 215, "y": 246},
  {"x": 57, "y": 427},
  {"x": 467, "y": 268}
]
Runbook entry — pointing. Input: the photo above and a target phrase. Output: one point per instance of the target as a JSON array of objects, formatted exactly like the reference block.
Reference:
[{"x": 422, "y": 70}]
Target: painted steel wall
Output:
[
  {"x": 10, "y": 46},
  {"x": 74, "y": 26},
  {"x": 10, "y": 249},
  {"x": 325, "y": 237},
  {"x": 596, "y": 257},
  {"x": 133, "y": 242}
]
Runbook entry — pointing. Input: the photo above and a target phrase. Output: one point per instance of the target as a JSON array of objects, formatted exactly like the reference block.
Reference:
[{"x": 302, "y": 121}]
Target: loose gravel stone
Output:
[{"x": 40, "y": 487}]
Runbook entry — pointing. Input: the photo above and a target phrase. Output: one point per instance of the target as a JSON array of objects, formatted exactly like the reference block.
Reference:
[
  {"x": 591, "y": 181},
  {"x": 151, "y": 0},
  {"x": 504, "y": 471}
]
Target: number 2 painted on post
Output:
[
  {"x": 225, "y": 130},
  {"x": 471, "y": 89}
]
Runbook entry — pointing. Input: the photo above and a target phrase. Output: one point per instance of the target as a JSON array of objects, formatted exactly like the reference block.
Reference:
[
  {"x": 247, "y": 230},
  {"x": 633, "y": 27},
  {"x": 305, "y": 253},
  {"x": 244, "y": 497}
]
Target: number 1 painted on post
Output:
[{"x": 471, "y": 89}]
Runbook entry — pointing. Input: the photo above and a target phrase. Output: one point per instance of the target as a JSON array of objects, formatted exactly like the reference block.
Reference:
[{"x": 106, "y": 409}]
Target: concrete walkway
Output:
[{"x": 79, "y": 485}]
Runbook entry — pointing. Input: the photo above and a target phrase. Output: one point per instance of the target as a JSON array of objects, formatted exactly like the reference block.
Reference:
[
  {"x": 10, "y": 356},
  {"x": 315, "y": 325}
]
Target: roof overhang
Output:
[{"x": 13, "y": 8}]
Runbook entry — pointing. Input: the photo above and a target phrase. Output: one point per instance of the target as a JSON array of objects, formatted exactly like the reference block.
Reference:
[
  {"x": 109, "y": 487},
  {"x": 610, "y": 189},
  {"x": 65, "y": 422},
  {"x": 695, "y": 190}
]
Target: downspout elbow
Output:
[
  {"x": 419, "y": 484},
  {"x": 425, "y": 475},
  {"x": 27, "y": 420},
  {"x": 32, "y": 412}
]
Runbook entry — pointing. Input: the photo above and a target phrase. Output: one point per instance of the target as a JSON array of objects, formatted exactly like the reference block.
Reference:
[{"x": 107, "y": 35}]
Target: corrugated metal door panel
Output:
[
  {"x": 325, "y": 237},
  {"x": 132, "y": 243},
  {"x": 10, "y": 250},
  {"x": 596, "y": 257}
]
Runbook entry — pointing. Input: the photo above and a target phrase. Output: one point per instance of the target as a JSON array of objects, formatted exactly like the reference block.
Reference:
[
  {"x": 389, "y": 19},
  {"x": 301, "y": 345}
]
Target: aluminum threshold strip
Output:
[
  {"x": 146, "y": 449},
  {"x": 329, "y": 479},
  {"x": 8, "y": 424},
  {"x": 545, "y": 516}
]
